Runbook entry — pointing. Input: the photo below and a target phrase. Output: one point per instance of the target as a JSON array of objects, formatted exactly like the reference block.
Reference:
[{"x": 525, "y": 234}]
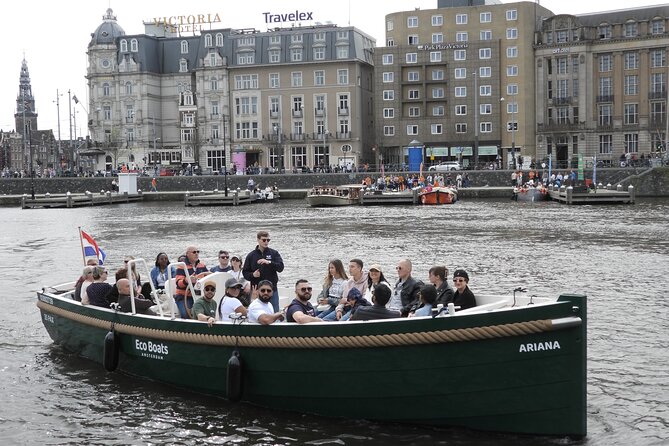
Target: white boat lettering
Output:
[
  {"x": 49, "y": 318},
  {"x": 150, "y": 349},
  {"x": 539, "y": 346},
  {"x": 46, "y": 299}
]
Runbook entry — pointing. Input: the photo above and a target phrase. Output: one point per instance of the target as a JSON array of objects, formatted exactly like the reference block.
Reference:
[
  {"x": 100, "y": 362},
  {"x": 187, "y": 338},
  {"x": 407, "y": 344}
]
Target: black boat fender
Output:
[
  {"x": 110, "y": 351},
  {"x": 234, "y": 383}
]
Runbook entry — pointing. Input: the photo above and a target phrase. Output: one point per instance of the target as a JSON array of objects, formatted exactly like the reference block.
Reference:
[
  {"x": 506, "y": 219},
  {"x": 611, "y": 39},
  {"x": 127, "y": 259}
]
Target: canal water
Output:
[{"x": 618, "y": 256}]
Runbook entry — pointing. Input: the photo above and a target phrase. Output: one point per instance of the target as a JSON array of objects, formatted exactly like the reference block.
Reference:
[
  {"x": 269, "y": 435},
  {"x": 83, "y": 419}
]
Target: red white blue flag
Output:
[{"x": 91, "y": 249}]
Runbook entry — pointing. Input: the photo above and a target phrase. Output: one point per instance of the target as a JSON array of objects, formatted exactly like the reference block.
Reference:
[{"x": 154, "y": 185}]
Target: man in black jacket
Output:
[
  {"x": 405, "y": 297},
  {"x": 380, "y": 297},
  {"x": 263, "y": 263}
]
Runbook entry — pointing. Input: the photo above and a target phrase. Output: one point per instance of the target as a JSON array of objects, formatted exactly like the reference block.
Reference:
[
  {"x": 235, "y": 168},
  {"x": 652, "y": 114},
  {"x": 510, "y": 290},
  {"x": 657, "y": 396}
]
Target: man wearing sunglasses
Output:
[
  {"x": 300, "y": 309},
  {"x": 204, "y": 309},
  {"x": 223, "y": 262},
  {"x": 196, "y": 270},
  {"x": 261, "y": 310},
  {"x": 264, "y": 263}
]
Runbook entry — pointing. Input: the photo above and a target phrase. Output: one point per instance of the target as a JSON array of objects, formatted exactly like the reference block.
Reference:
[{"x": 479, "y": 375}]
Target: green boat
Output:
[{"x": 511, "y": 364}]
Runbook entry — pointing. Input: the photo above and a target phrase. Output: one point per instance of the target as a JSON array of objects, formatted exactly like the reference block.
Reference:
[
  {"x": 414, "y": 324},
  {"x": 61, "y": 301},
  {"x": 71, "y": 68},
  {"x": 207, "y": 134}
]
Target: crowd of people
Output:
[{"x": 251, "y": 291}]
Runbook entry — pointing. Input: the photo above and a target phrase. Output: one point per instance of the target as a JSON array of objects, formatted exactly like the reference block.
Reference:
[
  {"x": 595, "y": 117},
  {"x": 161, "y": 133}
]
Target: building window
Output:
[
  {"x": 414, "y": 94},
  {"x": 605, "y": 144},
  {"x": 387, "y": 59},
  {"x": 412, "y": 22},
  {"x": 412, "y": 39},
  {"x": 632, "y": 142},
  {"x": 561, "y": 36},
  {"x": 412, "y": 129},
  {"x": 485, "y": 53},
  {"x": 460, "y": 55},
  {"x": 605, "y": 63},
  {"x": 219, "y": 39},
  {"x": 412, "y": 57},
  {"x": 605, "y": 87},
  {"x": 485, "y": 71},
  {"x": 460, "y": 110},
  {"x": 511, "y": 14},
  {"x": 214, "y": 108},
  {"x": 413, "y": 76},
  {"x": 388, "y": 95},
  {"x": 631, "y": 61},
  {"x": 461, "y": 127},
  {"x": 296, "y": 55},
  {"x": 207, "y": 40},
  {"x": 342, "y": 35},
  {"x": 186, "y": 135},
  {"x": 658, "y": 58},
  {"x": 184, "y": 47},
  {"x": 216, "y": 159},
  {"x": 389, "y": 130},
  {"x": 512, "y": 70},
  {"x": 657, "y": 83},
  {"x": 631, "y": 29},
  {"x": 631, "y": 85},
  {"x": 296, "y": 38},
  {"x": 274, "y": 56},
  {"x": 631, "y": 114},
  {"x": 183, "y": 66},
  {"x": 437, "y": 92},
  {"x": 562, "y": 65},
  {"x": 414, "y": 112},
  {"x": 485, "y": 90},
  {"x": 130, "y": 134},
  {"x": 342, "y": 52},
  {"x": 435, "y": 56},
  {"x": 106, "y": 89},
  {"x": 437, "y": 75},
  {"x": 657, "y": 112},
  {"x": 437, "y": 38},
  {"x": 604, "y": 31},
  {"x": 485, "y": 109},
  {"x": 319, "y": 53},
  {"x": 128, "y": 88},
  {"x": 657, "y": 27},
  {"x": 134, "y": 46},
  {"x": 246, "y": 58},
  {"x": 461, "y": 19},
  {"x": 438, "y": 110},
  {"x": 274, "y": 80},
  {"x": 512, "y": 33},
  {"x": 319, "y": 77},
  {"x": 460, "y": 73},
  {"x": 215, "y": 131},
  {"x": 390, "y": 25},
  {"x": 319, "y": 37},
  {"x": 460, "y": 92},
  {"x": 296, "y": 79},
  {"x": 298, "y": 156},
  {"x": 512, "y": 89},
  {"x": 246, "y": 41},
  {"x": 437, "y": 20},
  {"x": 214, "y": 83},
  {"x": 124, "y": 46},
  {"x": 486, "y": 127},
  {"x": 436, "y": 129},
  {"x": 512, "y": 51},
  {"x": 246, "y": 81},
  {"x": 486, "y": 34},
  {"x": 388, "y": 113},
  {"x": 342, "y": 76},
  {"x": 485, "y": 17},
  {"x": 106, "y": 112},
  {"x": 388, "y": 76}
]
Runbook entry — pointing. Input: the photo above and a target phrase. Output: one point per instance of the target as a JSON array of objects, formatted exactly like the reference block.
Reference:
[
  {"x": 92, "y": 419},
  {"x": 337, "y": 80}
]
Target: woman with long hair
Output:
[
  {"x": 333, "y": 288},
  {"x": 374, "y": 277}
]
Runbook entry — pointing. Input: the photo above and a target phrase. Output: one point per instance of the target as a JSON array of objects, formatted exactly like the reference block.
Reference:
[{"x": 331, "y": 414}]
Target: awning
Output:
[
  {"x": 436, "y": 151},
  {"x": 462, "y": 150},
  {"x": 488, "y": 150}
]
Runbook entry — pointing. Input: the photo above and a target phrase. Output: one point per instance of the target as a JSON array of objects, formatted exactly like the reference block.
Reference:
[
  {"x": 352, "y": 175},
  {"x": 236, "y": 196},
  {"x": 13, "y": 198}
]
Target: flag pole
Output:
[{"x": 81, "y": 242}]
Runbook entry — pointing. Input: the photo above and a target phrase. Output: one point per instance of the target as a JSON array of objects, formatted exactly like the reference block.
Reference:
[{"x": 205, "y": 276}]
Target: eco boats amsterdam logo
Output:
[{"x": 148, "y": 349}]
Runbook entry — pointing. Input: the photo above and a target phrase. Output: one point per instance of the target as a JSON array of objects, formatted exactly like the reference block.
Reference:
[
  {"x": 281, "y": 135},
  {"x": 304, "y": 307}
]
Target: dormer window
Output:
[
  {"x": 219, "y": 39},
  {"x": 657, "y": 26},
  {"x": 133, "y": 45},
  {"x": 183, "y": 66},
  {"x": 604, "y": 31},
  {"x": 184, "y": 47},
  {"x": 631, "y": 29},
  {"x": 207, "y": 40},
  {"x": 124, "y": 45}
]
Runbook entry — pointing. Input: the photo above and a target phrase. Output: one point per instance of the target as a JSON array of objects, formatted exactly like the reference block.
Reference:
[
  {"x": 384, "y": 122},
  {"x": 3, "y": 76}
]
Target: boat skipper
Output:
[
  {"x": 196, "y": 270},
  {"x": 263, "y": 263}
]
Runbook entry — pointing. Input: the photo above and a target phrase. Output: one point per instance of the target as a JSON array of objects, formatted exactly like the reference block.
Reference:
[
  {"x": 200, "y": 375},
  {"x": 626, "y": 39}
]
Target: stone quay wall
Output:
[{"x": 648, "y": 182}]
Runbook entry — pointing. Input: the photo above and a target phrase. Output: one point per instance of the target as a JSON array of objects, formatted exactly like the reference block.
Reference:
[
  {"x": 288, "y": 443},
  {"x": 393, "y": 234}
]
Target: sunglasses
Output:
[
  {"x": 266, "y": 240},
  {"x": 223, "y": 257},
  {"x": 210, "y": 288},
  {"x": 265, "y": 290},
  {"x": 195, "y": 252},
  {"x": 306, "y": 288},
  {"x": 458, "y": 280}
]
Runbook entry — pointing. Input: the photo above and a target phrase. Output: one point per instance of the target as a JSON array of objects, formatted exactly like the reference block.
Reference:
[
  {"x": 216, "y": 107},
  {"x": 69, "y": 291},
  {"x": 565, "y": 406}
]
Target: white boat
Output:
[{"x": 346, "y": 195}]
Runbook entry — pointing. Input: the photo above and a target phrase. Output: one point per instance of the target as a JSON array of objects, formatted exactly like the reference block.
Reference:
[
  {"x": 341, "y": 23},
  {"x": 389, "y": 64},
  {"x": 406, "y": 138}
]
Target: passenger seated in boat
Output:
[
  {"x": 98, "y": 290},
  {"x": 405, "y": 296},
  {"x": 87, "y": 278},
  {"x": 355, "y": 302},
  {"x": 357, "y": 279},
  {"x": 237, "y": 273},
  {"x": 158, "y": 273},
  {"x": 438, "y": 276},
  {"x": 333, "y": 288},
  {"x": 463, "y": 296},
  {"x": 223, "y": 262},
  {"x": 204, "y": 309},
  {"x": 196, "y": 270},
  {"x": 230, "y": 303},
  {"x": 380, "y": 297},
  {"x": 374, "y": 277},
  {"x": 427, "y": 298},
  {"x": 261, "y": 310},
  {"x": 300, "y": 309},
  {"x": 142, "y": 306}
]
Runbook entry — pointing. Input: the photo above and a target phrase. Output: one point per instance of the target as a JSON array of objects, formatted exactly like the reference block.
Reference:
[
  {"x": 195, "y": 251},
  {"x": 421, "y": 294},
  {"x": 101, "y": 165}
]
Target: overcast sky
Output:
[{"x": 54, "y": 37}]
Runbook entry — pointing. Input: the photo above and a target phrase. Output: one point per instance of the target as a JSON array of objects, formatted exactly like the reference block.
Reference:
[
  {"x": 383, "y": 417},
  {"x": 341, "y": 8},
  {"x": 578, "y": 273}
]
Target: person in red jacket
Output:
[{"x": 196, "y": 270}]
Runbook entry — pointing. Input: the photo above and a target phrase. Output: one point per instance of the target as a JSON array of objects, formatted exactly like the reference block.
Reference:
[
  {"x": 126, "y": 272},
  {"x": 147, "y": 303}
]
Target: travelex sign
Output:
[{"x": 297, "y": 16}]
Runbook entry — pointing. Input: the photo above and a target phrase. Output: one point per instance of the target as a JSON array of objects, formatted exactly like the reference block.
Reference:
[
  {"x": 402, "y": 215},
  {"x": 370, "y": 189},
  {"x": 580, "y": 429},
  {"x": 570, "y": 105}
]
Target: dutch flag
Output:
[{"x": 91, "y": 248}]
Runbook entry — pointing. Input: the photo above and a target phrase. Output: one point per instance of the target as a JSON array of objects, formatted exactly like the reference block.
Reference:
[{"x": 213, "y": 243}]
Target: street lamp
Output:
[
  {"x": 476, "y": 122},
  {"x": 225, "y": 157},
  {"x": 277, "y": 130}
]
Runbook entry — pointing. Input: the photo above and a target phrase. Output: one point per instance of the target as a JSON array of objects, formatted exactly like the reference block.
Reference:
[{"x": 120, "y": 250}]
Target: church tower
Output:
[{"x": 25, "y": 104}]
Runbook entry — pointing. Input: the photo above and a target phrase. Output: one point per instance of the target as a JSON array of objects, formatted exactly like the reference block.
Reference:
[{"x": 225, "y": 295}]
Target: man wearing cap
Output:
[
  {"x": 230, "y": 303},
  {"x": 300, "y": 309},
  {"x": 223, "y": 262},
  {"x": 204, "y": 309},
  {"x": 263, "y": 263},
  {"x": 463, "y": 296},
  {"x": 405, "y": 297},
  {"x": 196, "y": 270},
  {"x": 380, "y": 297},
  {"x": 261, "y": 310}
]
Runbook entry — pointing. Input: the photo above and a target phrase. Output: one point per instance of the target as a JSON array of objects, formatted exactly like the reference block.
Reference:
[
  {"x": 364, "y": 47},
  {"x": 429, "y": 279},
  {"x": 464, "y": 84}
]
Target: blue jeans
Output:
[
  {"x": 182, "y": 308},
  {"x": 275, "y": 300}
]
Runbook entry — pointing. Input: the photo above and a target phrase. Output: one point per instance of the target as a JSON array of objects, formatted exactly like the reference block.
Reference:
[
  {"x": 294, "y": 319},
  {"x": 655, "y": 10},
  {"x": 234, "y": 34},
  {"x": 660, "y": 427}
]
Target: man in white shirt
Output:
[{"x": 261, "y": 310}]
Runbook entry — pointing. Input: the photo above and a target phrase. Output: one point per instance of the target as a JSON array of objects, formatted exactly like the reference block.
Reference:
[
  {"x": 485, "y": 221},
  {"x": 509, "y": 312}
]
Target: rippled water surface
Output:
[{"x": 618, "y": 256}]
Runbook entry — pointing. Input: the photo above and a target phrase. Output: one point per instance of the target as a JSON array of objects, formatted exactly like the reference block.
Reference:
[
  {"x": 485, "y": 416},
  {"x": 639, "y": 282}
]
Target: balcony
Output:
[
  {"x": 555, "y": 126},
  {"x": 319, "y": 112},
  {"x": 297, "y": 137},
  {"x": 129, "y": 119},
  {"x": 342, "y": 111},
  {"x": 562, "y": 101},
  {"x": 215, "y": 116},
  {"x": 605, "y": 98},
  {"x": 274, "y": 114},
  {"x": 343, "y": 135},
  {"x": 297, "y": 113}
]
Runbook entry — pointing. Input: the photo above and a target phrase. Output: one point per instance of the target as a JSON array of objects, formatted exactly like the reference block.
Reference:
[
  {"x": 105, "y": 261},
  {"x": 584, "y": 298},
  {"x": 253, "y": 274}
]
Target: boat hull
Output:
[
  {"x": 531, "y": 195},
  {"x": 437, "y": 196},
  {"x": 392, "y": 371},
  {"x": 330, "y": 200}
]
